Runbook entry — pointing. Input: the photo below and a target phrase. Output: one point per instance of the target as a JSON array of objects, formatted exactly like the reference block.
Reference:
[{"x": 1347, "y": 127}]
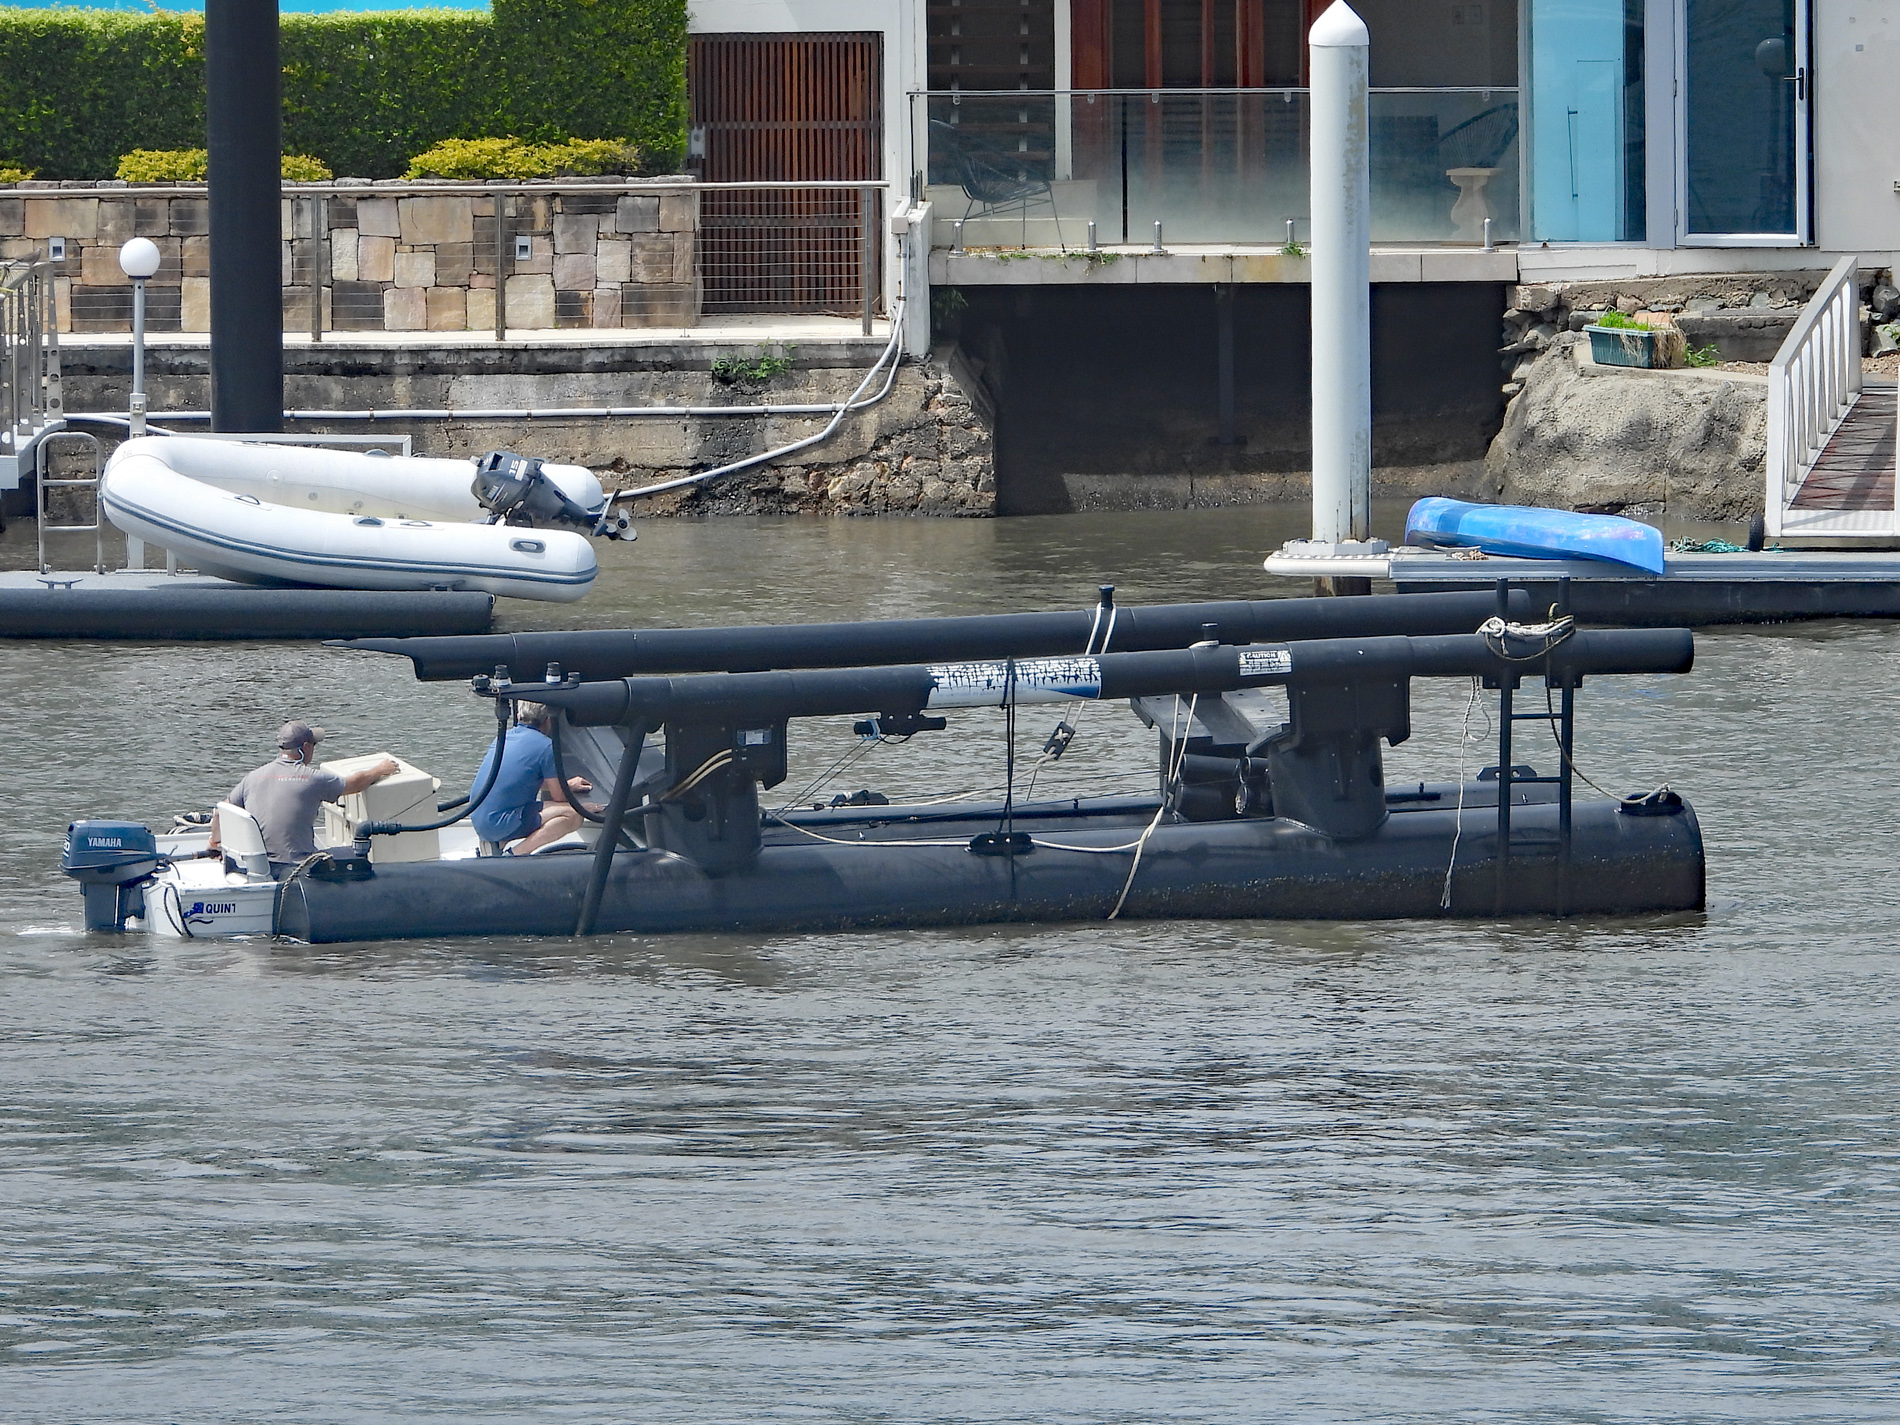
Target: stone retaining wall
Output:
[
  {"x": 388, "y": 257},
  {"x": 926, "y": 449},
  {"x": 1745, "y": 316}
]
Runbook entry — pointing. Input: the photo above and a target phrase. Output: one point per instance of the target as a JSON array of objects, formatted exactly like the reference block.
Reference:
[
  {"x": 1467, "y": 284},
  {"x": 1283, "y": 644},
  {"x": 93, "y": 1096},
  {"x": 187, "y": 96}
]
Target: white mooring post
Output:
[{"x": 1342, "y": 278}]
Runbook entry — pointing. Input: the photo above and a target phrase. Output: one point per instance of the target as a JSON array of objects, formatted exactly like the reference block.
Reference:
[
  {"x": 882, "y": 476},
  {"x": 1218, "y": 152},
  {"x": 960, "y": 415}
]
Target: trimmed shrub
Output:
[
  {"x": 11, "y": 174},
  {"x": 362, "y": 92},
  {"x": 189, "y": 165},
  {"x": 302, "y": 168},
  {"x": 516, "y": 158},
  {"x": 163, "y": 165},
  {"x": 597, "y": 68}
]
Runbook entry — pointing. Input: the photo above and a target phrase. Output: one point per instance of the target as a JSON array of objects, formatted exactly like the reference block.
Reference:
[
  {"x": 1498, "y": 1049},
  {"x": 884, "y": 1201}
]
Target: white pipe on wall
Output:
[{"x": 1339, "y": 48}]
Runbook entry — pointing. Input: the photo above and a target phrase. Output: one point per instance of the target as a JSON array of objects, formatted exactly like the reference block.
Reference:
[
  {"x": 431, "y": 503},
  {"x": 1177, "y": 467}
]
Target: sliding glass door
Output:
[
  {"x": 1587, "y": 131},
  {"x": 1742, "y": 117}
]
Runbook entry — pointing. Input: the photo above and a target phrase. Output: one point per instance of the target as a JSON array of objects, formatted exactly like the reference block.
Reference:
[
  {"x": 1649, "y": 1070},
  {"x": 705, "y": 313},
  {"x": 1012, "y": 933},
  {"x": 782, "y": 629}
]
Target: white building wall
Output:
[{"x": 1856, "y": 125}]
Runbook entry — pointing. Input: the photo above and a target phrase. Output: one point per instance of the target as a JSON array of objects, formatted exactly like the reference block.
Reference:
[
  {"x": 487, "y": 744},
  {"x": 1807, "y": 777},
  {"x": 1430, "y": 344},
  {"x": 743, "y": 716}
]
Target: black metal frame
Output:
[{"x": 1565, "y": 779}]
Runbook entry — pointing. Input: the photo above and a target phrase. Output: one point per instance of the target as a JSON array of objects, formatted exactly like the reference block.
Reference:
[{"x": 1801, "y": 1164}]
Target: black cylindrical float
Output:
[
  {"x": 601, "y": 654},
  {"x": 244, "y": 137},
  {"x": 764, "y": 698},
  {"x": 191, "y": 613},
  {"x": 1619, "y": 863}
]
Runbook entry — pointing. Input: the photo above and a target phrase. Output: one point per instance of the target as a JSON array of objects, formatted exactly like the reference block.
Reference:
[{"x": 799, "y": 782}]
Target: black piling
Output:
[{"x": 244, "y": 137}]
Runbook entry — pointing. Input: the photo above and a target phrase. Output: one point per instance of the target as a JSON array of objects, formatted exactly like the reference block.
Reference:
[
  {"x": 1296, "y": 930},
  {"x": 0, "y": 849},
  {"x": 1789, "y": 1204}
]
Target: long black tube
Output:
[
  {"x": 244, "y": 137},
  {"x": 198, "y": 613},
  {"x": 756, "y": 699},
  {"x": 602, "y": 654},
  {"x": 560, "y": 773},
  {"x": 609, "y": 834}
]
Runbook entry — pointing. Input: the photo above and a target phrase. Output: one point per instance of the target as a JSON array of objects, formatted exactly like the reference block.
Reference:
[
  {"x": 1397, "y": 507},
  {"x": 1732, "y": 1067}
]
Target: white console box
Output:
[{"x": 409, "y": 796}]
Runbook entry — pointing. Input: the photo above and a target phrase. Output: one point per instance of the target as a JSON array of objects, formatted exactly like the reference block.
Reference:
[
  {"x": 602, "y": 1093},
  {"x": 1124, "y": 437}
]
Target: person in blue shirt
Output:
[{"x": 525, "y": 805}]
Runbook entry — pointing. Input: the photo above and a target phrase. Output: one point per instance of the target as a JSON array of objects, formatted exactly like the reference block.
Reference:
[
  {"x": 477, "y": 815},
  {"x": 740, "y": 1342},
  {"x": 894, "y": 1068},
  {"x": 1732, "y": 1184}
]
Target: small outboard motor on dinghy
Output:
[
  {"x": 113, "y": 860},
  {"x": 517, "y": 490}
]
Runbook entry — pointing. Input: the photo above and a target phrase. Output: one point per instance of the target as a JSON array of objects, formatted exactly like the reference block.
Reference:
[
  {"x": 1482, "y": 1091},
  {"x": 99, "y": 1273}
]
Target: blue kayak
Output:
[{"x": 1531, "y": 533}]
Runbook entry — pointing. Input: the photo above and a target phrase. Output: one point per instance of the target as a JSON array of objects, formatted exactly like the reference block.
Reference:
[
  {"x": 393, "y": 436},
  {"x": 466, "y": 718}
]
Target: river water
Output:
[{"x": 1628, "y": 1170}]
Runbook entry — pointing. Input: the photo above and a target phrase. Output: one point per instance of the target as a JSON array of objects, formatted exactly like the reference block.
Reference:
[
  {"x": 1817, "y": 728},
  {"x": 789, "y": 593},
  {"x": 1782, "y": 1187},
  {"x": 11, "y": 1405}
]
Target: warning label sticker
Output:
[
  {"x": 1265, "y": 662},
  {"x": 1027, "y": 680}
]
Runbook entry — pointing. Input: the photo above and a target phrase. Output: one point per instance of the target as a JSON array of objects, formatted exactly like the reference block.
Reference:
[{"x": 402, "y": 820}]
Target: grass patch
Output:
[{"x": 762, "y": 365}]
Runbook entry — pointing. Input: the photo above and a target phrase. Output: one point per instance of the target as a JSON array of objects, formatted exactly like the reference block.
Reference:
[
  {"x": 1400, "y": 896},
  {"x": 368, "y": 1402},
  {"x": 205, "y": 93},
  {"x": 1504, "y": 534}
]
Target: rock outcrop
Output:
[{"x": 1585, "y": 437}]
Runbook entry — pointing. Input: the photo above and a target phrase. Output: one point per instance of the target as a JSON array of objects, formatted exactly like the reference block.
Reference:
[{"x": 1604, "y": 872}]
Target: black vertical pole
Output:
[
  {"x": 1504, "y": 760},
  {"x": 610, "y": 824},
  {"x": 244, "y": 136},
  {"x": 1566, "y": 741}
]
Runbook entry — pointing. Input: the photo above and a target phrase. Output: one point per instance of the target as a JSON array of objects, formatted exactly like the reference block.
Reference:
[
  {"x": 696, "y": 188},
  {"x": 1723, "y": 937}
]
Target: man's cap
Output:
[{"x": 295, "y": 734}]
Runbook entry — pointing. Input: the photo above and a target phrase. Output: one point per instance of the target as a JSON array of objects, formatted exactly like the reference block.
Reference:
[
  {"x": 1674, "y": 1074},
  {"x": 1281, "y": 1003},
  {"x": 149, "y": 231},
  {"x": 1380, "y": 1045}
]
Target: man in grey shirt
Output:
[{"x": 283, "y": 796}]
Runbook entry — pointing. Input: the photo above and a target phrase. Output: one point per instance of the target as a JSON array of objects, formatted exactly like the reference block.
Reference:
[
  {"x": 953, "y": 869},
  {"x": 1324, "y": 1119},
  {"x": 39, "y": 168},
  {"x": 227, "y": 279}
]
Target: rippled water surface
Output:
[{"x": 1609, "y": 1171}]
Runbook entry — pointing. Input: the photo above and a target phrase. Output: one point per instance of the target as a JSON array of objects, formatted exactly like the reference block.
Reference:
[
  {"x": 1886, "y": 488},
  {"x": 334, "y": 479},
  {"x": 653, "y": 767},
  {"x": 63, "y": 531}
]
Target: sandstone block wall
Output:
[{"x": 386, "y": 256}]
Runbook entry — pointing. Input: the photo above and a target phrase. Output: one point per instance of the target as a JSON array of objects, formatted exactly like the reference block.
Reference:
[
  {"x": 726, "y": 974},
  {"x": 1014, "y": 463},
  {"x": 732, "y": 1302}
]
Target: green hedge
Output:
[{"x": 362, "y": 92}]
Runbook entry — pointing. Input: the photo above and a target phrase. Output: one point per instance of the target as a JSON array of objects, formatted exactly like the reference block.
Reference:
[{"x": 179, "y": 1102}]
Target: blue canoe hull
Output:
[{"x": 1530, "y": 533}]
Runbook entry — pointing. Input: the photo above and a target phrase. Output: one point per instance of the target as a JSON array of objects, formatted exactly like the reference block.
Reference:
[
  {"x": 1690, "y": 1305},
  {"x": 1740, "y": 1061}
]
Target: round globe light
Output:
[{"x": 139, "y": 258}]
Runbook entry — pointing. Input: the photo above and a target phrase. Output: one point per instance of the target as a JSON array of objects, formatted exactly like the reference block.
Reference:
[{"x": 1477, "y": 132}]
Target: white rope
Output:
[
  {"x": 1174, "y": 771},
  {"x": 1076, "y": 708},
  {"x": 1458, "y": 821},
  {"x": 1495, "y": 630},
  {"x": 837, "y": 841}
]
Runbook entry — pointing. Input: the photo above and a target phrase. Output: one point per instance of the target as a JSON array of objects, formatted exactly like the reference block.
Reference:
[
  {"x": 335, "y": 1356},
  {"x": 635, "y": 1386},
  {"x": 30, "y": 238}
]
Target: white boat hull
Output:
[
  {"x": 342, "y": 482},
  {"x": 243, "y": 536}
]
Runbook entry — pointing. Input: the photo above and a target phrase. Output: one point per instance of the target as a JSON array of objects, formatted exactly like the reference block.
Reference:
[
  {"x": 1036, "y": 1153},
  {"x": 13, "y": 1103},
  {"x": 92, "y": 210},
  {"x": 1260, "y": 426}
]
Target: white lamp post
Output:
[{"x": 138, "y": 259}]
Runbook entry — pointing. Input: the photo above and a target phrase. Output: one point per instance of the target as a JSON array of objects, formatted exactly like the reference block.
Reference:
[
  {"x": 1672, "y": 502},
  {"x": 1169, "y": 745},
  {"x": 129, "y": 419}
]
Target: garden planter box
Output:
[{"x": 1624, "y": 346}]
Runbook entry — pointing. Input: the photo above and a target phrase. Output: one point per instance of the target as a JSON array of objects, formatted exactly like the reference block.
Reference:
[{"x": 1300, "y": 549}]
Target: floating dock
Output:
[
  {"x": 1771, "y": 586},
  {"x": 190, "y": 608}
]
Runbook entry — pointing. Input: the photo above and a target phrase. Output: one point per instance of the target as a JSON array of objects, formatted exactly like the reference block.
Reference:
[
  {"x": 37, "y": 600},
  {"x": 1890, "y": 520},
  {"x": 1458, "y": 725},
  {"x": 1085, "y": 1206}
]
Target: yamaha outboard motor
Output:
[
  {"x": 517, "y": 490},
  {"x": 113, "y": 860}
]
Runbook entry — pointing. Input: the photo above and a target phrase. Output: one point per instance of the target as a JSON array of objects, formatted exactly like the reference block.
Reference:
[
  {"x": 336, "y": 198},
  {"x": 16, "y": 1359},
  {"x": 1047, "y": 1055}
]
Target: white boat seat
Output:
[{"x": 242, "y": 841}]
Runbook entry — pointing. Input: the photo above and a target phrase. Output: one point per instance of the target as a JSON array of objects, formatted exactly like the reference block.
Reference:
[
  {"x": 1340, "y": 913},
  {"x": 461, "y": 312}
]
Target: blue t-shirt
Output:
[{"x": 526, "y": 762}]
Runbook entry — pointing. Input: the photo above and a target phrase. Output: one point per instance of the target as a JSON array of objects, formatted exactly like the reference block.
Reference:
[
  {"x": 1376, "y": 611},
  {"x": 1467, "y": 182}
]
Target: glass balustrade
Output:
[{"x": 1029, "y": 169}]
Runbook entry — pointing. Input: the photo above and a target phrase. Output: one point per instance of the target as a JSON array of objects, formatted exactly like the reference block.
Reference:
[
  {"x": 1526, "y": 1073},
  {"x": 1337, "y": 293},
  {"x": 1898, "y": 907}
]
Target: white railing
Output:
[
  {"x": 29, "y": 364},
  {"x": 1812, "y": 382}
]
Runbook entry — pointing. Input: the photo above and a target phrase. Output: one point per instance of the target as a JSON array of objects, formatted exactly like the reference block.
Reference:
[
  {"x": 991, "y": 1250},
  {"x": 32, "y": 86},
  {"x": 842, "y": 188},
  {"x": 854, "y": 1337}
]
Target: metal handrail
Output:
[
  {"x": 454, "y": 188},
  {"x": 1813, "y": 381},
  {"x": 30, "y": 403},
  {"x": 1145, "y": 92},
  {"x": 42, "y": 483}
]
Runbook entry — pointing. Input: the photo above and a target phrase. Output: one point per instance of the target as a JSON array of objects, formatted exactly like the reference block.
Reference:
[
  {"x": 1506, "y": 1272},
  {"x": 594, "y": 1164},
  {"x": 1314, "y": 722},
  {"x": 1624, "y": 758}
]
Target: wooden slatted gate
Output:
[{"x": 785, "y": 108}]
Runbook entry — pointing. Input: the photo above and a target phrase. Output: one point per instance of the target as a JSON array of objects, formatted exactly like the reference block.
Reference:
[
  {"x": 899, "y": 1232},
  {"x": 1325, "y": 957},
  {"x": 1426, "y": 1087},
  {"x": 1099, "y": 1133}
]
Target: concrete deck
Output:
[
  {"x": 711, "y": 332},
  {"x": 1196, "y": 263},
  {"x": 1430, "y": 566},
  {"x": 1620, "y": 261},
  {"x": 1190, "y": 263}
]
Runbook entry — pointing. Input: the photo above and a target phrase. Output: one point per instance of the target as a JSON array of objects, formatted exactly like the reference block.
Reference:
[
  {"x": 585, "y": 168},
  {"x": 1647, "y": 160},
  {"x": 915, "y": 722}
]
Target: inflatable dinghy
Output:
[
  {"x": 1531, "y": 533},
  {"x": 278, "y": 514}
]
